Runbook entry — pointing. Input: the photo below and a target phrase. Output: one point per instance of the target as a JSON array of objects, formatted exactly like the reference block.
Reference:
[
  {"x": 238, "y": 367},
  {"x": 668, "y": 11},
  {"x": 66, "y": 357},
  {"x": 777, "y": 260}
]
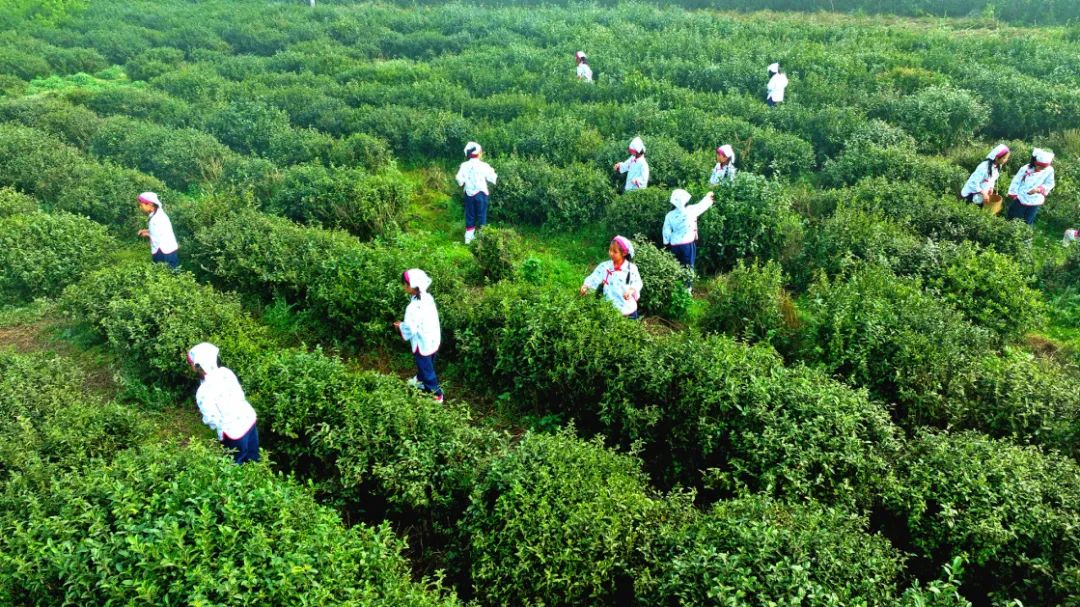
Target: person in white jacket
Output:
[
  {"x": 163, "y": 245},
  {"x": 421, "y": 329},
  {"x": 777, "y": 84},
  {"x": 724, "y": 171},
  {"x": 584, "y": 72},
  {"x": 680, "y": 227},
  {"x": 473, "y": 176},
  {"x": 223, "y": 405},
  {"x": 1032, "y": 184},
  {"x": 980, "y": 185},
  {"x": 636, "y": 168},
  {"x": 618, "y": 277}
]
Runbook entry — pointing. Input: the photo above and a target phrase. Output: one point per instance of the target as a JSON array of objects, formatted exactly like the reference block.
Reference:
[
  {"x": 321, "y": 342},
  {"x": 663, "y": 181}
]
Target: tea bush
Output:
[
  {"x": 534, "y": 192},
  {"x": 776, "y": 553},
  {"x": 750, "y": 303},
  {"x": 1011, "y": 510},
  {"x": 664, "y": 280},
  {"x": 194, "y": 527},
  {"x": 498, "y": 252},
  {"x": 367, "y": 205},
  {"x": 882, "y": 332},
  {"x": 368, "y": 438},
  {"x": 938, "y": 117},
  {"x": 41, "y": 253},
  {"x": 558, "y": 521},
  {"x": 152, "y": 315},
  {"x": 14, "y": 202},
  {"x": 51, "y": 423}
]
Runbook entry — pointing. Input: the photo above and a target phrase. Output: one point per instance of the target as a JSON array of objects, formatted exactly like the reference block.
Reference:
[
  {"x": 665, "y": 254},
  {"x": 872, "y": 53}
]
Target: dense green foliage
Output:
[
  {"x": 186, "y": 525},
  {"x": 40, "y": 254},
  {"x": 764, "y": 443}
]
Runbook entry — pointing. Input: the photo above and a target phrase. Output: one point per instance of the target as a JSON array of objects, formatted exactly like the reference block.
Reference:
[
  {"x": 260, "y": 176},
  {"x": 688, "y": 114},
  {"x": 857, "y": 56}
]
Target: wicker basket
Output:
[{"x": 993, "y": 204}]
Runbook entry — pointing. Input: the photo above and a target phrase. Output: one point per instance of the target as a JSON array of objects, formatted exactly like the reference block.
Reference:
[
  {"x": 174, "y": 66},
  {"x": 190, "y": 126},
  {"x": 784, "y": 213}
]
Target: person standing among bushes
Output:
[
  {"x": 421, "y": 329},
  {"x": 223, "y": 405},
  {"x": 474, "y": 175},
  {"x": 635, "y": 167},
  {"x": 724, "y": 171},
  {"x": 163, "y": 245},
  {"x": 981, "y": 184},
  {"x": 584, "y": 72},
  {"x": 680, "y": 228},
  {"x": 777, "y": 84},
  {"x": 619, "y": 278},
  {"x": 1031, "y": 186}
]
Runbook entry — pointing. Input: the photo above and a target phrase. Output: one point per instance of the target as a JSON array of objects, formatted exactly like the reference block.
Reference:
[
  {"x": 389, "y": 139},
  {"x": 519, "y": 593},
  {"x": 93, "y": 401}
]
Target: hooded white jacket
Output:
[
  {"x": 777, "y": 84},
  {"x": 680, "y": 224},
  {"x": 220, "y": 398},
  {"x": 636, "y": 169},
  {"x": 473, "y": 176},
  {"x": 161, "y": 233},
  {"x": 1028, "y": 179}
]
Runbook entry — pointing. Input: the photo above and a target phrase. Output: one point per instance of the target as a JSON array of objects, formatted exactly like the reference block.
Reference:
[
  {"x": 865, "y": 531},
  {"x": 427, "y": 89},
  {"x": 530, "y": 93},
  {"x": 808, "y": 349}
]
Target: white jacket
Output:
[
  {"x": 220, "y": 398},
  {"x": 1028, "y": 179},
  {"x": 680, "y": 225},
  {"x": 637, "y": 172},
  {"x": 981, "y": 180},
  {"x": 776, "y": 87},
  {"x": 616, "y": 283},
  {"x": 584, "y": 72},
  {"x": 421, "y": 325},
  {"x": 474, "y": 175},
  {"x": 722, "y": 173},
  {"x": 161, "y": 233}
]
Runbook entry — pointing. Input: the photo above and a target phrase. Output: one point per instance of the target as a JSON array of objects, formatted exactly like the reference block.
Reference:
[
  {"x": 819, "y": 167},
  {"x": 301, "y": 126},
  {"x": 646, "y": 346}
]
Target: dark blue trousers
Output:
[
  {"x": 173, "y": 259},
  {"x": 476, "y": 208},
  {"x": 1022, "y": 211},
  {"x": 247, "y": 446},
  {"x": 686, "y": 254},
  {"x": 425, "y": 372}
]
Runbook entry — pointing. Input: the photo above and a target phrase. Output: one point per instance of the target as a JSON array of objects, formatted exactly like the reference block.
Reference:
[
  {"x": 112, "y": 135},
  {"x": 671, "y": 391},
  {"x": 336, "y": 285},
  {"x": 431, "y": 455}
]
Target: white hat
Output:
[
  {"x": 999, "y": 150},
  {"x": 637, "y": 145},
  {"x": 580, "y": 54},
  {"x": 774, "y": 68},
  {"x": 205, "y": 355},
  {"x": 1042, "y": 156},
  {"x": 679, "y": 198},
  {"x": 472, "y": 148},
  {"x": 727, "y": 150},
  {"x": 417, "y": 279},
  {"x": 150, "y": 198},
  {"x": 624, "y": 244}
]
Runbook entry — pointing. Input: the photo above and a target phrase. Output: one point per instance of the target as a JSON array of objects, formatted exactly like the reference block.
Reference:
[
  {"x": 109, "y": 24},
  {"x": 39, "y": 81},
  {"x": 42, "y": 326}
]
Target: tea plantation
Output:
[{"x": 870, "y": 397}]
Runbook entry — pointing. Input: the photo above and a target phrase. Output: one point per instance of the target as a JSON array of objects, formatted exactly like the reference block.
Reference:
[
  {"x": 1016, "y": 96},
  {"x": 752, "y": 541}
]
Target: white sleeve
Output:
[
  {"x": 491, "y": 176},
  {"x": 461, "y": 176},
  {"x": 211, "y": 411},
  {"x": 409, "y": 326},
  {"x": 624, "y": 166},
  {"x": 666, "y": 232},
  {"x": 697, "y": 210},
  {"x": 1049, "y": 183},
  {"x": 644, "y": 174},
  {"x": 592, "y": 281}
]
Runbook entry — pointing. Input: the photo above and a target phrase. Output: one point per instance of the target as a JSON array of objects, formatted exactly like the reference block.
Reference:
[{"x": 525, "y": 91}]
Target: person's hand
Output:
[
  {"x": 636, "y": 182},
  {"x": 1014, "y": 197},
  {"x": 617, "y": 165},
  {"x": 583, "y": 290},
  {"x": 709, "y": 196},
  {"x": 397, "y": 325},
  {"x": 144, "y": 233}
]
